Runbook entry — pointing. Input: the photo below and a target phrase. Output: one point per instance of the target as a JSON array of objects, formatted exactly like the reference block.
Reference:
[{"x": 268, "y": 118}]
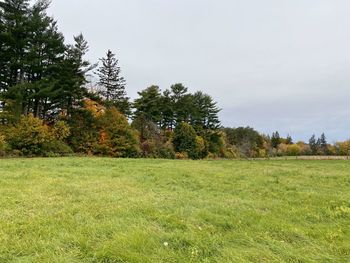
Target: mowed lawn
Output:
[{"x": 115, "y": 210}]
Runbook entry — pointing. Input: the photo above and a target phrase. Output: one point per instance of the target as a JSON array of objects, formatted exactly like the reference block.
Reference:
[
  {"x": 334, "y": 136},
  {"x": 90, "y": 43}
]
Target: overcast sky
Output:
[{"x": 274, "y": 64}]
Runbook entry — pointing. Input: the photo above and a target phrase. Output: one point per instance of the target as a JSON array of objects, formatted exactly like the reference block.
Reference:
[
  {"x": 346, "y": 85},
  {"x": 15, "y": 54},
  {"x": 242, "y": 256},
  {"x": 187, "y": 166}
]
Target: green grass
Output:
[{"x": 113, "y": 210}]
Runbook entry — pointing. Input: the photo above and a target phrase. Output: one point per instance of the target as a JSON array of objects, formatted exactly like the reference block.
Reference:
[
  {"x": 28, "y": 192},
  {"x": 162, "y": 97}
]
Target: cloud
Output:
[{"x": 274, "y": 64}]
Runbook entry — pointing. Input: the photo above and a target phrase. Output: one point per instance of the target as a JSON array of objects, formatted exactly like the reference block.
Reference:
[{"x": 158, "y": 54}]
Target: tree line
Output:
[{"x": 46, "y": 108}]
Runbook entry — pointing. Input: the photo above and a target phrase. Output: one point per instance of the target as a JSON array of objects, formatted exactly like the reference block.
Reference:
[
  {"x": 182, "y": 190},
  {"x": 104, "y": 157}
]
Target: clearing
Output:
[{"x": 124, "y": 210}]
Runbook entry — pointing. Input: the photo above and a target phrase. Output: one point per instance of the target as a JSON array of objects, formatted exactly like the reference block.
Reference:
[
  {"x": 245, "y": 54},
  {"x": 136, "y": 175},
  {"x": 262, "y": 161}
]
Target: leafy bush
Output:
[
  {"x": 60, "y": 130},
  {"x": 246, "y": 140},
  {"x": 106, "y": 132},
  {"x": 32, "y": 137},
  {"x": 84, "y": 131},
  {"x": 201, "y": 150},
  {"x": 231, "y": 152},
  {"x": 154, "y": 142},
  {"x": 56, "y": 148},
  {"x": 343, "y": 148},
  {"x": 304, "y": 148},
  {"x": 184, "y": 140},
  {"x": 181, "y": 156},
  {"x": 293, "y": 150},
  {"x": 148, "y": 149},
  {"x": 28, "y": 136},
  {"x": 217, "y": 144},
  {"x": 117, "y": 135},
  {"x": 282, "y": 149},
  {"x": 157, "y": 149},
  {"x": 166, "y": 151},
  {"x": 263, "y": 153}
]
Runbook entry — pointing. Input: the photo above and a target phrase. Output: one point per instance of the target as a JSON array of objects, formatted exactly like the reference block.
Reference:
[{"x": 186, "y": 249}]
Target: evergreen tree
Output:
[
  {"x": 32, "y": 47},
  {"x": 323, "y": 140},
  {"x": 182, "y": 103},
  {"x": 112, "y": 83},
  {"x": 323, "y": 144},
  {"x": 45, "y": 52},
  {"x": 289, "y": 140},
  {"x": 70, "y": 88},
  {"x": 13, "y": 39},
  {"x": 275, "y": 139},
  {"x": 149, "y": 105},
  {"x": 205, "y": 112},
  {"x": 168, "y": 121},
  {"x": 15, "y": 33},
  {"x": 313, "y": 145}
]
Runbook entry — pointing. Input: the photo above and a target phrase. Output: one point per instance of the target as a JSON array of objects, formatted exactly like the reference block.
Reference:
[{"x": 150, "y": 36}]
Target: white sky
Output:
[{"x": 273, "y": 64}]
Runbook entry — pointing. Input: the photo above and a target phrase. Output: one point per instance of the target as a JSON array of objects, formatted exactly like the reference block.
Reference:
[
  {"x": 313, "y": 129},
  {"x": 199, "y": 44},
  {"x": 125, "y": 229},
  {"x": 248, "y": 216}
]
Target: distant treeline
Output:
[{"x": 49, "y": 108}]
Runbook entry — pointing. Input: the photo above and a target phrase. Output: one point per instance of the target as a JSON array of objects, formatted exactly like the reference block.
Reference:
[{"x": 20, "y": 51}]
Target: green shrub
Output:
[
  {"x": 157, "y": 149},
  {"x": 184, "y": 140},
  {"x": 201, "y": 150},
  {"x": 102, "y": 150},
  {"x": 166, "y": 151},
  {"x": 217, "y": 144},
  {"x": 56, "y": 148},
  {"x": 263, "y": 153},
  {"x": 32, "y": 137}
]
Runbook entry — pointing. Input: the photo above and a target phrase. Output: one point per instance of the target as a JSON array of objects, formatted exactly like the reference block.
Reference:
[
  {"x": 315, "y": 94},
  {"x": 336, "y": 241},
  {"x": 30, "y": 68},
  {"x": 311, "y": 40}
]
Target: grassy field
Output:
[{"x": 112, "y": 210}]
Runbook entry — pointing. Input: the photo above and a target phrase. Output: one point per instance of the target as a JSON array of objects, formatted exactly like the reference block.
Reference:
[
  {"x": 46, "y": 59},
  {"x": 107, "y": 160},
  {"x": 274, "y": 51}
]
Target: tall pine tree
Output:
[
  {"x": 113, "y": 85},
  {"x": 205, "y": 112},
  {"x": 70, "y": 87},
  {"x": 31, "y": 48},
  {"x": 182, "y": 103},
  {"x": 313, "y": 145}
]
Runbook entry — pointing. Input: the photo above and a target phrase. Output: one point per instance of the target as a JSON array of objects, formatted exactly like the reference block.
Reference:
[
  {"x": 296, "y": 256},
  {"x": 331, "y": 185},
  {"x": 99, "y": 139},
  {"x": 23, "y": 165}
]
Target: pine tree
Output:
[
  {"x": 31, "y": 48},
  {"x": 313, "y": 144},
  {"x": 205, "y": 112},
  {"x": 15, "y": 33},
  {"x": 275, "y": 139},
  {"x": 149, "y": 105},
  {"x": 323, "y": 144},
  {"x": 45, "y": 52},
  {"x": 182, "y": 103},
  {"x": 289, "y": 139},
  {"x": 70, "y": 88},
  {"x": 167, "y": 109},
  {"x": 113, "y": 84},
  {"x": 13, "y": 38}
]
